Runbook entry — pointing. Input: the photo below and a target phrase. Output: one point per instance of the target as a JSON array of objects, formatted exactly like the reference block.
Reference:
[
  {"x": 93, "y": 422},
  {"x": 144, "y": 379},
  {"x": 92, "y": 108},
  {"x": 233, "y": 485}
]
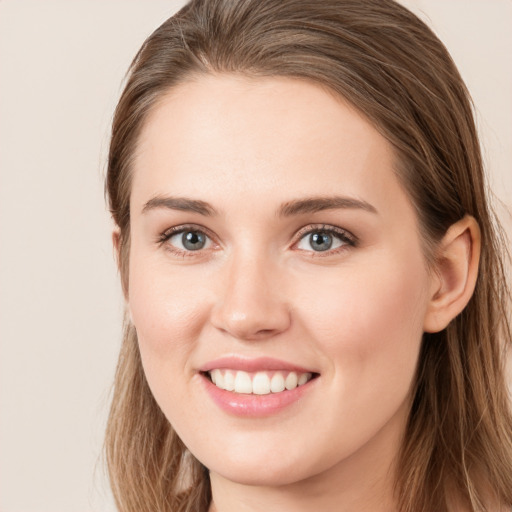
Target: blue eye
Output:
[
  {"x": 321, "y": 240},
  {"x": 188, "y": 240}
]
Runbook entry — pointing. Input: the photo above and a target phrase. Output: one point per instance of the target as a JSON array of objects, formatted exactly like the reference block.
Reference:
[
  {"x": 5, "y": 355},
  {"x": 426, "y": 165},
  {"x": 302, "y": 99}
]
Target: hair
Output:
[{"x": 378, "y": 56}]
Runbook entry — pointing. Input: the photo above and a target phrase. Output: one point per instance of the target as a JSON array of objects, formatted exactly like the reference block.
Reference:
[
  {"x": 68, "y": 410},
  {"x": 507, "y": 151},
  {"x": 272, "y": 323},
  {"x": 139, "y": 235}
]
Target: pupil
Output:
[
  {"x": 321, "y": 241},
  {"x": 193, "y": 240}
]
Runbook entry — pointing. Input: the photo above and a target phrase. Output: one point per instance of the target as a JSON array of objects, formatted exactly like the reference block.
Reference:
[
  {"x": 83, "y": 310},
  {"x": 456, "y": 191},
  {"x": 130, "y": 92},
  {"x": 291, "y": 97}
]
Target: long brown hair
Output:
[{"x": 388, "y": 64}]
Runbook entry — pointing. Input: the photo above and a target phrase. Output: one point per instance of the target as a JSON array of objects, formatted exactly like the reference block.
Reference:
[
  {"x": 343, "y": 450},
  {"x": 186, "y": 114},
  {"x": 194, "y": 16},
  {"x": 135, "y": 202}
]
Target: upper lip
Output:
[{"x": 252, "y": 364}]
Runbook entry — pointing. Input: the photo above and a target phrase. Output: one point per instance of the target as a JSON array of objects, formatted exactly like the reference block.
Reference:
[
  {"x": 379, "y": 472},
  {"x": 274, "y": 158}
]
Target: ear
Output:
[
  {"x": 455, "y": 274},
  {"x": 116, "y": 243}
]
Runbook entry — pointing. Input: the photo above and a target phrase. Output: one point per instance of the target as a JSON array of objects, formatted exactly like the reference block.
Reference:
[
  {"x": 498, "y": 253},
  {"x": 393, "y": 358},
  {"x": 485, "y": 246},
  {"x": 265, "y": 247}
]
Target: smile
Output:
[
  {"x": 258, "y": 383},
  {"x": 256, "y": 387}
]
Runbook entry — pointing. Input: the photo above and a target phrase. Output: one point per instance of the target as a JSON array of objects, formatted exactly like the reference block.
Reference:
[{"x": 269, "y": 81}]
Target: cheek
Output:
[
  {"x": 370, "y": 320},
  {"x": 168, "y": 310}
]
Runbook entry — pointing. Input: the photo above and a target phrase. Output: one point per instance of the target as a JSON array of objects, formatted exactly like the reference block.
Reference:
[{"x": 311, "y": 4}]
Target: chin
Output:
[
  {"x": 260, "y": 475},
  {"x": 269, "y": 466}
]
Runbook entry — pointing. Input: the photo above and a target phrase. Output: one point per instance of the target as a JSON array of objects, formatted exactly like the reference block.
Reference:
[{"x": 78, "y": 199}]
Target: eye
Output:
[
  {"x": 186, "y": 239},
  {"x": 324, "y": 239}
]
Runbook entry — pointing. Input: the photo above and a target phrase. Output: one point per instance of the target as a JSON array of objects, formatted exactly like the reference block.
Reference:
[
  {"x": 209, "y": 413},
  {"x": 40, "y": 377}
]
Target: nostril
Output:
[{"x": 265, "y": 332}]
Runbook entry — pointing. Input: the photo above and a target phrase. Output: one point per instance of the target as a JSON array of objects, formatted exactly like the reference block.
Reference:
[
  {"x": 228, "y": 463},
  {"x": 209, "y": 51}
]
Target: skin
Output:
[{"x": 354, "y": 314}]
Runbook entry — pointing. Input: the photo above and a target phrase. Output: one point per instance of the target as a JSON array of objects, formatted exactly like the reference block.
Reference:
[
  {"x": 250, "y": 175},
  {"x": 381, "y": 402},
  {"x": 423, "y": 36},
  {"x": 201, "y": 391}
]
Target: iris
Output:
[
  {"x": 193, "y": 240},
  {"x": 320, "y": 241}
]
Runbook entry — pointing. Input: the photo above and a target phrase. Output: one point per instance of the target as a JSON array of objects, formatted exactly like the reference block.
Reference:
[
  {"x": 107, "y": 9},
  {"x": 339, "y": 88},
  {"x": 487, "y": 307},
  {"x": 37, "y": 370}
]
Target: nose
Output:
[{"x": 251, "y": 301}]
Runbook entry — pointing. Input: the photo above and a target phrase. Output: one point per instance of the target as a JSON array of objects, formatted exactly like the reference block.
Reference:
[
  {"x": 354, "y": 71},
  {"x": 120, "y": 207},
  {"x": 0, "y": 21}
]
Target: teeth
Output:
[
  {"x": 217, "y": 378},
  {"x": 303, "y": 378},
  {"x": 243, "y": 383},
  {"x": 291, "y": 381},
  {"x": 277, "y": 383},
  {"x": 229, "y": 381},
  {"x": 259, "y": 383}
]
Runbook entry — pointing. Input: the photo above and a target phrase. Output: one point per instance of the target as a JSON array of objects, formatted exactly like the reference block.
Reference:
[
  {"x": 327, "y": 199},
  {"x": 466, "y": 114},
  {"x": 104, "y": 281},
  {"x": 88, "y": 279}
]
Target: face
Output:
[{"x": 274, "y": 251}]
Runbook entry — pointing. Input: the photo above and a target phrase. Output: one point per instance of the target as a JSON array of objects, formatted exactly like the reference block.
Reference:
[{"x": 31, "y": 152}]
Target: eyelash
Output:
[{"x": 348, "y": 239}]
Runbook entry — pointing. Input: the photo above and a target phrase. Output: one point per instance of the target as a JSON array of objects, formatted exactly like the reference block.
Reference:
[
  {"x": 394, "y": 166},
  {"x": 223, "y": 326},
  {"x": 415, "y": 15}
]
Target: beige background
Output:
[{"x": 61, "y": 68}]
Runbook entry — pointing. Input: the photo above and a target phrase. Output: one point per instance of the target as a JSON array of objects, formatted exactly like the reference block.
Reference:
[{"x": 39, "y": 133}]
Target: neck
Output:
[{"x": 312, "y": 495}]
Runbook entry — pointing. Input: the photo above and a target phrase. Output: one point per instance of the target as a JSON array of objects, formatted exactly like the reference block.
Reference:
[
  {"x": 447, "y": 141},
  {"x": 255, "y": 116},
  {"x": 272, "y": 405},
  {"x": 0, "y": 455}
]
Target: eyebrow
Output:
[
  {"x": 317, "y": 204},
  {"x": 288, "y": 209},
  {"x": 180, "y": 203}
]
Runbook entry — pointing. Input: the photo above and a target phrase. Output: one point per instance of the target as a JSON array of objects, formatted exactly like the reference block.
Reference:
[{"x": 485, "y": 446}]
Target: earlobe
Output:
[
  {"x": 456, "y": 273},
  {"x": 116, "y": 244}
]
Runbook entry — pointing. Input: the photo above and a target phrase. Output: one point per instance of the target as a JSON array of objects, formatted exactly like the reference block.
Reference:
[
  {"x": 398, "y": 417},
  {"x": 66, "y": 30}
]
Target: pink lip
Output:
[
  {"x": 252, "y": 406},
  {"x": 252, "y": 365}
]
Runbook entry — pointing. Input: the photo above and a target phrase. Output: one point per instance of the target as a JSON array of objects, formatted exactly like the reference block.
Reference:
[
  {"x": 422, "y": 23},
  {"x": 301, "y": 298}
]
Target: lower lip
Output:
[{"x": 247, "y": 405}]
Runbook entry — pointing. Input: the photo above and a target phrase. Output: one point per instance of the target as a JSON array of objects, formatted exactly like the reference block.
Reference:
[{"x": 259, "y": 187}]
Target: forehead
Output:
[{"x": 258, "y": 138}]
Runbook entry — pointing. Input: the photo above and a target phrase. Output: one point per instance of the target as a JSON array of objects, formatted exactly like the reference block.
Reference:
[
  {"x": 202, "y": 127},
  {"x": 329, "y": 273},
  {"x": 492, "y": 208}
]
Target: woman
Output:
[{"x": 317, "y": 306}]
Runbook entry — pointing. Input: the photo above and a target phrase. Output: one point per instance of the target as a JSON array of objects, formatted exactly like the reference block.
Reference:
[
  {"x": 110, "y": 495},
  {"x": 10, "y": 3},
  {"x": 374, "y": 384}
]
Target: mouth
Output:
[
  {"x": 258, "y": 382},
  {"x": 256, "y": 387}
]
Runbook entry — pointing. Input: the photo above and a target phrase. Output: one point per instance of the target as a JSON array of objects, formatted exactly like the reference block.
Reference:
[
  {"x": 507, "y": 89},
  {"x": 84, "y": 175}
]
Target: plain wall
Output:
[{"x": 61, "y": 68}]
